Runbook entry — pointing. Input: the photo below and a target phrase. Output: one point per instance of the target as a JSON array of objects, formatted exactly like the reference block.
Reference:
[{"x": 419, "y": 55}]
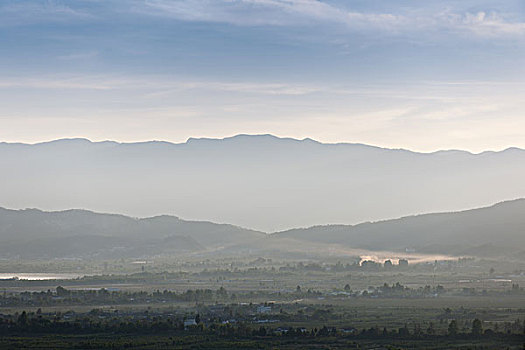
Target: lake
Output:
[{"x": 39, "y": 276}]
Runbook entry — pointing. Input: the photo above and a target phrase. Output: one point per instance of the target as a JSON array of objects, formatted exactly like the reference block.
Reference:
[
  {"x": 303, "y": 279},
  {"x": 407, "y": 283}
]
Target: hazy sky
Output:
[{"x": 422, "y": 75}]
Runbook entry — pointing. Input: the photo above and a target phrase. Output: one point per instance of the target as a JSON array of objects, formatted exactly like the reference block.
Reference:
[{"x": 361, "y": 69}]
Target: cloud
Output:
[
  {"x": 24, "y": 12},
  {"x": 485, "y": 24},
  {"x": 419, "y": 115},
  {"x": 89, "y": 83},
  {"x": 314, "y": 12},
  {"x": 339, "y": 17},
  {"x": 265, "y": 12},
  {"x": 155, "y": 85},
  {"x": 78, "y": 56},
  {"x": 252, "y": 88}
]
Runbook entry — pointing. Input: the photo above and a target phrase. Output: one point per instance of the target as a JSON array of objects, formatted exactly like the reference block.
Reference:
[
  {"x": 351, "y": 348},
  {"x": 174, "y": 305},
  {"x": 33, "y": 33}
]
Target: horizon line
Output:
[{"x": 226, "y": 138}]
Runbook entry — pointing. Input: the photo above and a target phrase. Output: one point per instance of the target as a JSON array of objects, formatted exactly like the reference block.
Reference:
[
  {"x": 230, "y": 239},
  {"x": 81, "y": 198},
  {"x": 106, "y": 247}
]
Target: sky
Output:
[{"x": 421, "y": 75}]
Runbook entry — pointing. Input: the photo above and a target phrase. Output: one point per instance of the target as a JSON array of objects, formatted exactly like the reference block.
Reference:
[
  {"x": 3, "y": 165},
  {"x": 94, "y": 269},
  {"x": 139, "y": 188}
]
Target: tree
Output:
[
  {"x": 417, "y": 330},
  {"x": 430, "y": 329},
  {"x": 61, "y": 291},
  {"x": 22, "y": 319},
  {"x": 262, "y": 331},
  {"x": 323, "y": 331},
  {"x": 347, "y": 287},
  {"x": 404, "y": 332},
  {"x": 453, "y": 328},
  {"x": 477, "y": 327}
]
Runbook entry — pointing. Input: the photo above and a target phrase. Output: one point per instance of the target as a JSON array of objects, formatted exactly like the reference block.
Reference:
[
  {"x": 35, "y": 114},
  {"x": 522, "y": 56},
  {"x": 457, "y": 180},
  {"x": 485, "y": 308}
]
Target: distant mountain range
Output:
[
  {"x": 262, "y": 182},
  {"x": 494, "y": 231}
]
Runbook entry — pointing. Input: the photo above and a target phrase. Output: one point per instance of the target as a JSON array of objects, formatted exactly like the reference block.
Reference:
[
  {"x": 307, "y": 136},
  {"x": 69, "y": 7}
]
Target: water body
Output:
[{"x": 39, "y": 276}]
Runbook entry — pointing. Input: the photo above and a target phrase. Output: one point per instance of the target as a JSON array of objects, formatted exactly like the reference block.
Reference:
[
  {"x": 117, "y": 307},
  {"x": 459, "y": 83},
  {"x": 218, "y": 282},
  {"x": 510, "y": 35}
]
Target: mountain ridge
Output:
[
  {"x": 476, "y": 232},
  {"x": 263, "y": 182},
  {"x": 501, "y": 225},
  {"x": 29, "y": 232},
  {"x": 498, "y": 204},
  {"x": 194, "y": 140},
  {"x": 175, "y": 217}
]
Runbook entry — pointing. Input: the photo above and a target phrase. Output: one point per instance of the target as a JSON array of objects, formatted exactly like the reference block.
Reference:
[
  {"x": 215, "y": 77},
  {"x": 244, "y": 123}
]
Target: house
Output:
[
  {"x": 349, "y": 330},
  {"x": 189, "y": 323},
  {"x": 261, "y": 309}
]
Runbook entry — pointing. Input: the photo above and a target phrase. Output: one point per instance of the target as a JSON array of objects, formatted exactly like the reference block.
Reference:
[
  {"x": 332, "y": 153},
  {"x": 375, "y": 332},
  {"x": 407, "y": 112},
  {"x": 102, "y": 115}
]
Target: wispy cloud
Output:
[
  {"x": 424, "y": 115},
  {"x": 159, "y": 86},
  {"x": 484, "y": 24},
  {"x": 78, "y": 56},
  {"x": 314, "y": 12},
  {"x": 89, "y": 83},
  {"x": 29, "y": 12},
  {"x": 156, "y": 86},
  {"x": 412, "y": 20},
  {"x": 252, "y": 88},
  {"x": 266, "y": 12}
]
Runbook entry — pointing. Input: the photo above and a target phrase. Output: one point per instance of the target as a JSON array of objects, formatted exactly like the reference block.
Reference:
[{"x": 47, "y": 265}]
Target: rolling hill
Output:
[
  {"x": 81, "y": 233},
  {"x": 494, "y": 230}
]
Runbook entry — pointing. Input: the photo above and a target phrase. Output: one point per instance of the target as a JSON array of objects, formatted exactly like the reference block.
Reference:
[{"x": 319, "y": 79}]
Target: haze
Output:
[
  {"x": 262, "y": 174},
  {"x": 259, "y": 182}
]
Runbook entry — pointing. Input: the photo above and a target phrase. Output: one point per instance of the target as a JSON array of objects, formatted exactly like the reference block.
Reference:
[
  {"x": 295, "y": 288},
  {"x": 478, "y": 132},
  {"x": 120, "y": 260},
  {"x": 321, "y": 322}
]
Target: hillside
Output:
[
  {"x": 494, "y": 230},
  {"x": 78, "y": 233},
  {"x": 486, "y": 232},
  {"x": 262, "y": 182}
]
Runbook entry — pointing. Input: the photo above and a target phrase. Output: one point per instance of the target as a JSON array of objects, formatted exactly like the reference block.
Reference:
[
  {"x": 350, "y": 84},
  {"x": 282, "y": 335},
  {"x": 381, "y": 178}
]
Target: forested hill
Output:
[
  {"x": 498, "y": 229},
  {"x": 490, "y": 231},
  {"x": 33, "y": 232}
]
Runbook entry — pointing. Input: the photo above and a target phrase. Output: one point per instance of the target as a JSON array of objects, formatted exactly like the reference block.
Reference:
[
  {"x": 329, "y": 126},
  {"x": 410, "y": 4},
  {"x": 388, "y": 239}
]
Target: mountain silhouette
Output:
[
  {"x": 257, "y": 181},
  {"x": 479, "y": 232},
  {"x": 498, "y": 230}
]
